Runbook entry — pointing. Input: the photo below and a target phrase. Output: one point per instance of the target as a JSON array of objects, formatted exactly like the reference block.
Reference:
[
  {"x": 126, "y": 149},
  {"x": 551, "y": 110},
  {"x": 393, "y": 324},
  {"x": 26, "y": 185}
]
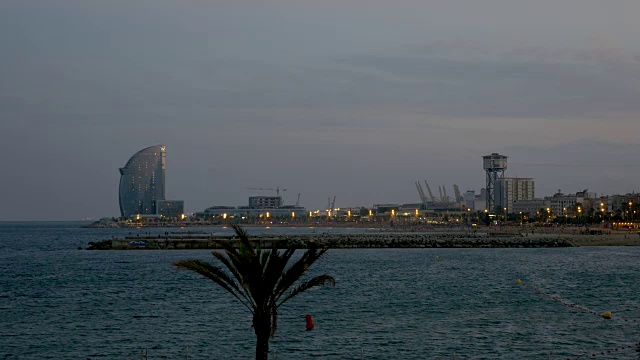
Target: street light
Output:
[{"x": 579, "y": 213}]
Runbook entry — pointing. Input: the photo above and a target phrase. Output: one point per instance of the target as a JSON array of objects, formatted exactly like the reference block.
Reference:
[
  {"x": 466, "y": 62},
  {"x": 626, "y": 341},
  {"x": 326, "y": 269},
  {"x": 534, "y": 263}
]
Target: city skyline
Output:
[{"x": 351, "y": 99}]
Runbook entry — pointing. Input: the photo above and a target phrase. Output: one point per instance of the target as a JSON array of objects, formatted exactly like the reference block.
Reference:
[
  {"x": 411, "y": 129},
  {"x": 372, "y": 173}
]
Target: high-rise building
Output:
[
  {"x": 512, "y": 190},
  {"x": 142, "y": 182}
]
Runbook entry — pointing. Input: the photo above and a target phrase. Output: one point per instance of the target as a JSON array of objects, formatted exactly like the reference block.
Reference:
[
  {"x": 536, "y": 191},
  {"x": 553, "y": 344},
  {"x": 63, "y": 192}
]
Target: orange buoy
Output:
[{"x": 310, "y": 323}]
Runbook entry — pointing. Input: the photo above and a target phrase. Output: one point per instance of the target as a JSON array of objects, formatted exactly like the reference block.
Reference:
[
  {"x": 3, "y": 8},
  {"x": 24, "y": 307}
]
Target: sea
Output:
[{"x": 59, "y": 301}]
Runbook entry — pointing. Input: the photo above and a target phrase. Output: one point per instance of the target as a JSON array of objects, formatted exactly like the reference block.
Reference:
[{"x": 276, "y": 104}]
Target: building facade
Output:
[
  {"x": 245, "y": 212},
  {"x": 142, "y": 182},
  {"x": 170, "y": 208},
  {"x": 475, "y": 202},
  {"x": 265, "y": 202},
  {"x": 563, "y": 205},
  {"x": 513, "y": 190},
  {"x": 529, "y": 207}
]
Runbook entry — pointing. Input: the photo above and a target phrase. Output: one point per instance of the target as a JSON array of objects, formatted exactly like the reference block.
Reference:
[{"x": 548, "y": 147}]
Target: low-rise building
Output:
[
  {"x": 247, "y": 212},
  {"x": 529, "y": 207},
  {"x": 170, "y": 208},
  {"x": 563, "y": 205},
  {"x": 265, "y": 202}
]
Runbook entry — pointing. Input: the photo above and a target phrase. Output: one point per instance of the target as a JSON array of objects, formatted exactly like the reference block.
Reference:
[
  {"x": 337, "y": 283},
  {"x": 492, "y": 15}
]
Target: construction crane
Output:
[
  {"x": 330, "y": 205},
  {"x": 298, "y": 201},
  {"x": 440, "y": 190},
  {"x": 446, "y": 197},
  {"x": 429, "y": 190},
  {"x": 277, "y": 189}
]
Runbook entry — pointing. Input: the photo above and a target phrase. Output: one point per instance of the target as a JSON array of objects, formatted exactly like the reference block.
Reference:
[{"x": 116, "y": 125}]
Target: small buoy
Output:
[
  {"x": 310, "y": 323},
  {"x": 518, "y": 281},
  {"x": 437, "y": 258},
  {"x": 606, "y": 315}
]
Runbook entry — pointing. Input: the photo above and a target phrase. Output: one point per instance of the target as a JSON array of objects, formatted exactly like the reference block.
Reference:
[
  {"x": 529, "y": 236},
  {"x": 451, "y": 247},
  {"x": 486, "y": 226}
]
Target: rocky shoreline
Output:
[{"x": 341, "y": 241}]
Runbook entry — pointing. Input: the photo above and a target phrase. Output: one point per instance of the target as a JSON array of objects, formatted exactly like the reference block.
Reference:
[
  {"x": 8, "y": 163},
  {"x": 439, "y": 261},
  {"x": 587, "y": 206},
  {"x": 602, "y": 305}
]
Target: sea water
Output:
[{"x": 59, "y": 302}]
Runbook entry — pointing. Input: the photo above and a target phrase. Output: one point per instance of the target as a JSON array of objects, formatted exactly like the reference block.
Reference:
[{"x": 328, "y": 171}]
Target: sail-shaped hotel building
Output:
[{"x": 142, "y": 182}]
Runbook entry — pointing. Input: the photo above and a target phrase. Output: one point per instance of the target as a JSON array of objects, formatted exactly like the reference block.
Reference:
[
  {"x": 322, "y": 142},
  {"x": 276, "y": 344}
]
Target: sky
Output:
[{"x": 356, "y": 99}]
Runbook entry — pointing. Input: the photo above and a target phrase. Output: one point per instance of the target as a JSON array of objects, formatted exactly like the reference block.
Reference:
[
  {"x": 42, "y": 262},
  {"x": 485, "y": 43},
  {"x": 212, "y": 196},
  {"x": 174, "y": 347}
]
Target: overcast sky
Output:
[{"x": 356, "y": 99}]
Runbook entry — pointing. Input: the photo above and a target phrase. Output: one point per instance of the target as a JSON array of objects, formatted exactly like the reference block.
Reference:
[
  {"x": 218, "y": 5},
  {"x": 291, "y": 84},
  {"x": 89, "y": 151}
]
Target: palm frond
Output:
[
  {"x": 242, "y": 261},
  {"x": 264, "y": 257},
  {"x": 247, "y": 261},
  {"x": 275, "y": 269},
  {"x": 322, "y": 280},
  {"x": 241, "y": 279},
  {"x": 299, "y": 268},
  {"x": 261, "y": 279},
  {"x": 232, "y": 253},
  {"x": 218, "y": 276},
  {"x": 245, "y": 246},
  {"x": 274, "y": 321}
]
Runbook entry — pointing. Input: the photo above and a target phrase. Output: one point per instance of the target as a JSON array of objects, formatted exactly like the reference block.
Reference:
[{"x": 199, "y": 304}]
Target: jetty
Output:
[{"x": 337, "y": 241}]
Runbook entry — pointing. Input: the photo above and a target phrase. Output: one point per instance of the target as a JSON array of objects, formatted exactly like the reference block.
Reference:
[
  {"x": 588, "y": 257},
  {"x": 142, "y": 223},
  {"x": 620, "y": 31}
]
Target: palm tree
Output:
[{"x": 260, "y": 280}]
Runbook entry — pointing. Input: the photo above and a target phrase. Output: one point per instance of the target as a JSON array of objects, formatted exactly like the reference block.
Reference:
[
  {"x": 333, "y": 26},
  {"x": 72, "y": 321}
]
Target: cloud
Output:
[
  {"x": 600, "y": 165},
  {"x": 505, "y": 87}
]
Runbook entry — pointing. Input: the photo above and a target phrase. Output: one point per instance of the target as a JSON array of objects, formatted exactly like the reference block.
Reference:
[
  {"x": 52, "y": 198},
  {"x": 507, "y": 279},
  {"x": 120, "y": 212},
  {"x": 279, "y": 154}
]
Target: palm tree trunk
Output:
[
  {"x": 262, "y": 347},
  {"x": 262, "y": 327}
]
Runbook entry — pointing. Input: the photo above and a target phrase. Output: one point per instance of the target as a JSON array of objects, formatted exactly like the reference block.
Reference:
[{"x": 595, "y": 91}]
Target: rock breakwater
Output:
[{"x": 340, "y": 241}]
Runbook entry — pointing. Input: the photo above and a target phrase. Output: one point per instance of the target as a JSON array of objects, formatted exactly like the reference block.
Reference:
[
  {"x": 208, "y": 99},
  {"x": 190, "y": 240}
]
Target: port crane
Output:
[
  {"x": 446, "y": 197},
  {"x": 433, "y": 199},
  {"x": 459, "y": 196},
  {"x": 442, "y": 190},
  {"x": 423, "y": 198}
]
